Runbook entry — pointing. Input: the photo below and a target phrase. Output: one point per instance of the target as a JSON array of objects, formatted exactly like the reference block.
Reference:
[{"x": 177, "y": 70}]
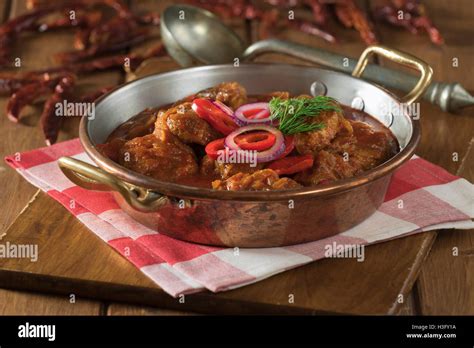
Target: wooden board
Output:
[
  {"x": 26, "y": 303},
  {"x": 71, "y": 258},
  {"x": 126, "y": 309}
]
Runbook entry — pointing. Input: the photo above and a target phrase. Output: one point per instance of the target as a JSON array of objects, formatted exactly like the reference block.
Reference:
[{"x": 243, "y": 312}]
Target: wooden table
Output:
[{"x": 445, "y": 284}]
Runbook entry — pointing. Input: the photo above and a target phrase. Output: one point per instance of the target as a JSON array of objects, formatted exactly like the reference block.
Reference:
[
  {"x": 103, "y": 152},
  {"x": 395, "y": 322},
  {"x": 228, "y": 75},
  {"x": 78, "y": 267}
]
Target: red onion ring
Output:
[
  {"x": 264, "y": 156},
  {"x": 263, "y": 117}
]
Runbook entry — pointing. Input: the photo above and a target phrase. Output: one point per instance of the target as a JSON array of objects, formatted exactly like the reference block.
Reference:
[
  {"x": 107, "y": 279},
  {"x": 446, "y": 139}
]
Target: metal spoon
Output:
[{"x": 195, "y": 36}]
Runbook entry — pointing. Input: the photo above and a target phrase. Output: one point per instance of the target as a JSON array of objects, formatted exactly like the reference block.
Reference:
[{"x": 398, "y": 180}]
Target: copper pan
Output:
[{"x": 249, "y": 219}]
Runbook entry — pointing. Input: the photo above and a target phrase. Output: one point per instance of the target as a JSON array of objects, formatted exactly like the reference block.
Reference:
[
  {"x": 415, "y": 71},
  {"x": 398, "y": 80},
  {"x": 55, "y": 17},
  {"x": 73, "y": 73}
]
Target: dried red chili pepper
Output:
[
  {"x": 118, "y": 5},
  {"x": 389, "y": 14},
  {"x": 411, "y": 15},
  {"x": 310, "y": 28},
  {"x": 216, "y": 7},
  {"x": 30, "y": 21},
  {"x": 123, "y": 30},
  {"x": 130, "y": 61},
  {"x": 75, "y": 56},
  {"x": 81, "y": 36},
  {"x": 421, "y": 20},
  {"x": 26, "y": 95},
  {"x": 34, "y": 4},
  {"x": 228, "y": 9},
  {"x": 50, "y": 122},
  {"x": 10, "y": 29},
  {"x": 9, "y": 84},
  {"x": 343, "y": 15},
  {"x": 113, "y": 35},
  {"x": 268, "y": 23},
  {"x": 151, "y": 18},
  {"x": 82, "y": 19},
  {"x": 433, "y": 32},
  {"x": 122, "y": 60},
  {"x": 351, "y": 16},
  {"x": 319, "y": 10}
]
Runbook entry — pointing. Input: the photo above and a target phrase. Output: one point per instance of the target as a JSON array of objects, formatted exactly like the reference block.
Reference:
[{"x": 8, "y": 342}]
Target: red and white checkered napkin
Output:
[{"x": 421, "y": 197}]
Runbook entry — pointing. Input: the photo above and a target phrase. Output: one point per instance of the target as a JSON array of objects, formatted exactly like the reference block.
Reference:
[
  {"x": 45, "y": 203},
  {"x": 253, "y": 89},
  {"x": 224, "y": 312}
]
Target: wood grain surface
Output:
[
  {"x": 27, "y": 303},
  {"x": 446, "y": 283},
  {"x": 70, "y": 257}
]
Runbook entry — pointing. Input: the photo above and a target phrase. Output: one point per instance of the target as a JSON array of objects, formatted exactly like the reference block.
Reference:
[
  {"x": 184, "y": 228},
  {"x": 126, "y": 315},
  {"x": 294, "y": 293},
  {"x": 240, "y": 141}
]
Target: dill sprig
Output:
[{"x": 294, "y": 114}]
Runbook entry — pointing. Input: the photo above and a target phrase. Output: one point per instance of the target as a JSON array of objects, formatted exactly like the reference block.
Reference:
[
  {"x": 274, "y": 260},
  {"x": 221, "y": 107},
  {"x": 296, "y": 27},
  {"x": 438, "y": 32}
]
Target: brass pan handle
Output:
[
  {"x": 94, "y": 178},
  {"x": 403, "y": 59},
  {"x": 378, "y": 74}
]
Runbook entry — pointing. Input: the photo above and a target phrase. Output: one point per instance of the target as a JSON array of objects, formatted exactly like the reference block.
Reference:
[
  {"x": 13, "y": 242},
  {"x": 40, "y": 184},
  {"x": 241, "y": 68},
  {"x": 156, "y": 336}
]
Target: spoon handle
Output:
[{"x": 449, "y": 96}]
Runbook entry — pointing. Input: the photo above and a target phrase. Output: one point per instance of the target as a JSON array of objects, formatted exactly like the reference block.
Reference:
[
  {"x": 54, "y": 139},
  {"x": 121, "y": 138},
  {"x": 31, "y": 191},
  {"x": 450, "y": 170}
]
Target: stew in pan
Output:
[{"x": 224, "y": 139}]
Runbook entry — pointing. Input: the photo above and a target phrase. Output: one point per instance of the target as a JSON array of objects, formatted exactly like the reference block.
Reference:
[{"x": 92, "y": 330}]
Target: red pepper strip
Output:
[
  {"x": 255, "y": 141},
  {"x": 212, "y": 149},
  {"x": 292, "y": 165},
  {"x": 289, "y": 146},
  {"x": 217, "y": 118},
  {"x": 256, "y": 114}
]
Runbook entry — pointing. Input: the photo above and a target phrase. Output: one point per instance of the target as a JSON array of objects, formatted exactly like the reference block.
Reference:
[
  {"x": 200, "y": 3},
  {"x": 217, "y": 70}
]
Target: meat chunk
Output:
[
  {"x": 227, "y": 170},
  {"x": 345, "y": 141},
  {"x": 255, "y": 98},
  {"x": 184, "y": 123},
  {"x": 310, "y": 143},
  {"x": 138, "y": 126},
  {"x": 161, "y": 158},
  {"x": 208, "y": 166},
  {"x": 327, "y": 167},
  {"x": 372, "y": 147},
  {"x": 262, "y": 180},
  {"x": 349, "y": 154},
  {"x": 231, "y": 94},
  {"x": 211, "y": 167},
  {"x": 111, "y": 149}
]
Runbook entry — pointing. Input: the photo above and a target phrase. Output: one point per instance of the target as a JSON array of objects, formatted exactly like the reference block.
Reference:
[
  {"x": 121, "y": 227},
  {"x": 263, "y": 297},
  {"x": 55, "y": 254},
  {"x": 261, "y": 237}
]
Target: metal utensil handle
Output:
[
  {"x": 404, "y": 59},
  {"x": 93, "y": 178},
  {"x": 449, "y": 96}
]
